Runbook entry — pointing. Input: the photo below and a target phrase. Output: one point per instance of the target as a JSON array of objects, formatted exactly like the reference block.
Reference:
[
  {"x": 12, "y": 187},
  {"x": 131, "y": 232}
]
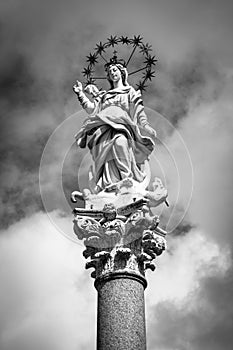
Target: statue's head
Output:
[{"x": 116, "y": 71}]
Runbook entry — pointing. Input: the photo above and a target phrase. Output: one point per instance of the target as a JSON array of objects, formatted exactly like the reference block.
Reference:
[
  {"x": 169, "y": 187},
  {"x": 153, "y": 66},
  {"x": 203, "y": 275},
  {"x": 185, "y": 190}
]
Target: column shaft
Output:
[{"x": 121, "y": 314}]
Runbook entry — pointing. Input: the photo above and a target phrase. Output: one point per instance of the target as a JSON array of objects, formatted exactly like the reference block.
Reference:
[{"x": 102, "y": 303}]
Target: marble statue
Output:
[
  {"x": 117, "y": 131},
  {"x": 120, "y": 231}
]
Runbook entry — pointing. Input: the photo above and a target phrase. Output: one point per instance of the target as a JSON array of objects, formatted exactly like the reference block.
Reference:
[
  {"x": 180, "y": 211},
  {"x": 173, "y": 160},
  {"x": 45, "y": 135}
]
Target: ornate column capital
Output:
[{"x": 122, "y": 237}]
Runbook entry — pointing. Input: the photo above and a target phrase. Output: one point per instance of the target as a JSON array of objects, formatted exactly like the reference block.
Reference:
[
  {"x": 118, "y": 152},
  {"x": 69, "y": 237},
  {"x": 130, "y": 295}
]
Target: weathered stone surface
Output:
[
  {"x": 129, "y": 243},
  {"x": 121, "y": 313}
]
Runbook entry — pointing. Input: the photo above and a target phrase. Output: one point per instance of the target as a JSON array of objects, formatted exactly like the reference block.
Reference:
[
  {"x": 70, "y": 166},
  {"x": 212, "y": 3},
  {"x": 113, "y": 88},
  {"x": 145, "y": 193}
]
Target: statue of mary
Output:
[{"x": 112, "y": 131}]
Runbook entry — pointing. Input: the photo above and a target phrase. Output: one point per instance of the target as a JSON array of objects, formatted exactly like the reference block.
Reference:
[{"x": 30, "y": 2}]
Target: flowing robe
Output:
[{"x": 113, "y": 136}]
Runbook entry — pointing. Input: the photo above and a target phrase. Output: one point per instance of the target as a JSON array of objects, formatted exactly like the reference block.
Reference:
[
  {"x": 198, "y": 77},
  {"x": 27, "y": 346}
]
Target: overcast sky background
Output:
[{"x": 47, "y": 297}]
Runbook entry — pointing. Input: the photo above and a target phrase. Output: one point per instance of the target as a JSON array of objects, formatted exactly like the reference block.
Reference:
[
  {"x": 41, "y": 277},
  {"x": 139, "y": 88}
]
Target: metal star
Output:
[
  {"x": 145, "y": 48},
  {"x": 92, "y": 59},
  {"x": 112, "y": 41},
  {"x": 100, "y": 48},
  {"x": 124, "y": 40},
  {"x": 137, "y": 40},
  {"x": 141, "y": 86},
  {"x": 87, "y": 71},
  {"x": 148, "y": 75},
  {"x": 150, "y": 60}
]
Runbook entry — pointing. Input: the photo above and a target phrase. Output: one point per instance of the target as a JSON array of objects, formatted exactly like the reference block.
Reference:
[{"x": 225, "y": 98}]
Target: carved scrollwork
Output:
[
  {"x": 85, "y": 227},
  {"x": 122, "y": 237},
  {"x": 135, "y": 218},
  {"x": 153, "y": 244}
]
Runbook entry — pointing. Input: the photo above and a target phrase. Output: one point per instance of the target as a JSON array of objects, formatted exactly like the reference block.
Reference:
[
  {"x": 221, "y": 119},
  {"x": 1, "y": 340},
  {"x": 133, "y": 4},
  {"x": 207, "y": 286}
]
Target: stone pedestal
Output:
[{"x": 122, "y": 239}]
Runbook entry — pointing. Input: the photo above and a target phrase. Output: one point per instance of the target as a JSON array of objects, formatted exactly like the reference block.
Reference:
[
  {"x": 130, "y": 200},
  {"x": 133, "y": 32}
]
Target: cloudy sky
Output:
[{"x": 47, "y": 298}]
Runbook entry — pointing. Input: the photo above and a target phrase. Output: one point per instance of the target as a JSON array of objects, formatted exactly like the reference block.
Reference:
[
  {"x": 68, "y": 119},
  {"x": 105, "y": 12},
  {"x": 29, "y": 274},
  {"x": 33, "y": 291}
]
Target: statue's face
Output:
[{"x": 114, "y": 73}]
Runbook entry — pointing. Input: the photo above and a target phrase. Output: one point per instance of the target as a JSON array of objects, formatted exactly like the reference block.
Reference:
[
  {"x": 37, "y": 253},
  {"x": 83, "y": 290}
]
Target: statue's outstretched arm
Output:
[
  {"x": 143, "y": 122},
  {"x": 84, "y": 101},
  {"x": 138, "y": 110}
]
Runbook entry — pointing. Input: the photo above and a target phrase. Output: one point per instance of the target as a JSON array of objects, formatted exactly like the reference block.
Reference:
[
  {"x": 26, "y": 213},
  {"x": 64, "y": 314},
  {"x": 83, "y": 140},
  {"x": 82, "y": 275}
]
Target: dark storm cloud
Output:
[
  {"x": 204, "y": 322},
  {"x": 201, "y": 269},
  {"x": 183, "y": 228},
  {"x": 40, "y": 60},
  {"x": 43, "y": 49},
  {"x": 192, "y": 292},
  {"x": 197, "y": 78}
]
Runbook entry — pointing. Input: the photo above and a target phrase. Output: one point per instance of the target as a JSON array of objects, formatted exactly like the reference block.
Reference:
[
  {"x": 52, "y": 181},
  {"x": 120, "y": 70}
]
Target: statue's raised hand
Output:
[{"x": 78, "y": 87}]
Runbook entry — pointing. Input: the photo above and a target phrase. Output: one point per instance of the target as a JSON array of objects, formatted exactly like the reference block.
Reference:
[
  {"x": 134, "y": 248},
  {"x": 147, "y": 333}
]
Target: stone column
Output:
[
  {"x": 122, "y": 238},
  {"x": 121, "y": 312}
]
